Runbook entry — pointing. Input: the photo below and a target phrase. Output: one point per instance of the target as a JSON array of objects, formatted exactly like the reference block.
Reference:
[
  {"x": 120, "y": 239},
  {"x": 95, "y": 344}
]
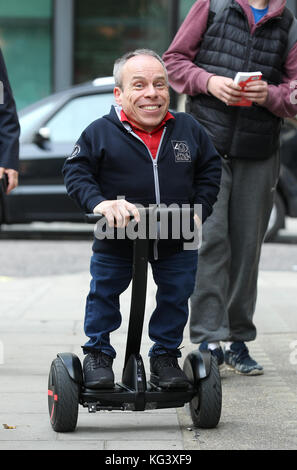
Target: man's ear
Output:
[{"x": 117, "y": 95}]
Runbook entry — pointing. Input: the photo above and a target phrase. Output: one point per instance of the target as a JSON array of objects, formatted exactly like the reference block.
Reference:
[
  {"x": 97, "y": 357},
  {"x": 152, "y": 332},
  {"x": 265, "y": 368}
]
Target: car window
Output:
[
  {"x": 69, "y": 122},
  {"x": 29, "y": 120}
]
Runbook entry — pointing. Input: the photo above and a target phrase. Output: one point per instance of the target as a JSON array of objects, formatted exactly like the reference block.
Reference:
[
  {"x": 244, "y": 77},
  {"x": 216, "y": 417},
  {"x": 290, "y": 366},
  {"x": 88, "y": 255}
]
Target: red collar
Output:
[{"x": 162, "y": 124}]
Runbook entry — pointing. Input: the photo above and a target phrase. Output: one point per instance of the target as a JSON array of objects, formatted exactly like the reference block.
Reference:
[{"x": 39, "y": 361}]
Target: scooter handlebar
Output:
[{"x": 144, "y": 211}]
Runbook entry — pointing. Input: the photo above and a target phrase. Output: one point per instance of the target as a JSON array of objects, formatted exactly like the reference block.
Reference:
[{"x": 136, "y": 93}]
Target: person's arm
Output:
[
  {"x": 79, "y": 173},
  {"x": 281, "y": 100},
  {"x": 80, "y": 176},
  {"x": 9, "y": 131},
  {"x": 184, "y": 75}
]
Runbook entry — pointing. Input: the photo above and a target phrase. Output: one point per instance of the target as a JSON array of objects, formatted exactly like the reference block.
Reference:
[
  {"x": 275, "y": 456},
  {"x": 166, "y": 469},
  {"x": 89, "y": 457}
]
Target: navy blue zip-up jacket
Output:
[{"x": 109, "y": 160}]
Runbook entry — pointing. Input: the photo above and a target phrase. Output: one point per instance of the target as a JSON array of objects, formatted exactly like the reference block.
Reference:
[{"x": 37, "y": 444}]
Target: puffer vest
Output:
[{"x": 227, "y": 48}]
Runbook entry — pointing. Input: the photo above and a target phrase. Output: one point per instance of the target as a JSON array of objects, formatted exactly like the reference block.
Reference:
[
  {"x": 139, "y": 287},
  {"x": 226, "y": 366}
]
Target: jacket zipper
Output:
[{"x": 156, "y": 182}]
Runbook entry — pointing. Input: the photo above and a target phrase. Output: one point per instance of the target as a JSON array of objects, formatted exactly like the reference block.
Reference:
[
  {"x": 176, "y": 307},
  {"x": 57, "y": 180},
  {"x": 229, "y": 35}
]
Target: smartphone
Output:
[{"x": 4, "y": 183}]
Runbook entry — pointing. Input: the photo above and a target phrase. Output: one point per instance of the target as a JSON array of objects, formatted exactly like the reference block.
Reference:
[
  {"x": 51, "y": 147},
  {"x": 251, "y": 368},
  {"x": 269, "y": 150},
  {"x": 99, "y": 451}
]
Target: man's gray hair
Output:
[{"x": 119, "y": 64}]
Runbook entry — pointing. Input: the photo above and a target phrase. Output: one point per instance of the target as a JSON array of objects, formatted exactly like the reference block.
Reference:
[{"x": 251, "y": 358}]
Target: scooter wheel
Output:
[
  {"x": 63, "y": 398},
  {"x": 206, "y": 405}
]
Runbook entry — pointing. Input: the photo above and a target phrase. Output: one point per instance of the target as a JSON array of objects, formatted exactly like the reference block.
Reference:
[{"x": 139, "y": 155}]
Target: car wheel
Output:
[{"x": 277, "y": 218}]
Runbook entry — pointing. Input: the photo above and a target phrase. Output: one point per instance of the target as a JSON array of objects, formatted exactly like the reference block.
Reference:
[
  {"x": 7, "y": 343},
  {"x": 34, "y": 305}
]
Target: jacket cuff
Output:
[
  {"x": 93, "y": 202},
  {"x": 203, "y": 81}
]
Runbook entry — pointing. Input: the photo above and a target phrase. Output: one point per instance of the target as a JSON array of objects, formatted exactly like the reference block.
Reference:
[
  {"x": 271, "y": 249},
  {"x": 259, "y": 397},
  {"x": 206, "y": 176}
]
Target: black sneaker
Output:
[
  {"x": 166, "y": 373},
  {"x": 238, "y": 359},
  {"x": 97, "y": 369}
]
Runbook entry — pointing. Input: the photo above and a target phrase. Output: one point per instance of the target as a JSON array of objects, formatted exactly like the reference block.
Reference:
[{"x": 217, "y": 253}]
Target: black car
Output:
[{"x": 49, "y": 130}]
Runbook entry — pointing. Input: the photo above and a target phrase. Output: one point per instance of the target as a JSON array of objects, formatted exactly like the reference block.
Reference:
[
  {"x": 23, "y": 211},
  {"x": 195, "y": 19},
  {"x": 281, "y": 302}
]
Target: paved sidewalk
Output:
[{"x": 42, "y": 316}]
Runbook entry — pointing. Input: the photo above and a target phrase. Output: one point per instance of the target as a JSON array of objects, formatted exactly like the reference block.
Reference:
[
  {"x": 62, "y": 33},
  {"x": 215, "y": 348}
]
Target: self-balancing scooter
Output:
[{"x": 66, "y": 390}]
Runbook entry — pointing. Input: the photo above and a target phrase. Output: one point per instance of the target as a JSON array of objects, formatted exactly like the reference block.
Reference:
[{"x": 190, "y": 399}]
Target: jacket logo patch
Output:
[
  {"x": 181, "y": 151},
  {"x": 75, "y": 152}
]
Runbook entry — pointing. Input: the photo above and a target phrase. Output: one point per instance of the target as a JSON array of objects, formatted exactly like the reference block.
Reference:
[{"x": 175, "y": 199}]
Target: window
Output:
[
  {"x": 106, "y": 30},
  {"x": 25, "y": 40},
  {"x": 76, "y": 115}
]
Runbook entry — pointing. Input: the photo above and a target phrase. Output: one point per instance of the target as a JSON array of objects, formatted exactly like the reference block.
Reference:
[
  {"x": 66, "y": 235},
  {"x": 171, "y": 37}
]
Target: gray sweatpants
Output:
[{"x": 223, "y": 302}]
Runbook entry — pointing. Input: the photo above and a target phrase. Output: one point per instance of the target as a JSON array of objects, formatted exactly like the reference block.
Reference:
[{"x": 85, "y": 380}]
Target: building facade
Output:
[{"x": 49, "y": 45}]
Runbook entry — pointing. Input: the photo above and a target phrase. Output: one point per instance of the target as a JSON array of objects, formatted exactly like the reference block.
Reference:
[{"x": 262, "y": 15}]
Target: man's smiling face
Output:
[{"x": 144, "y": 95}]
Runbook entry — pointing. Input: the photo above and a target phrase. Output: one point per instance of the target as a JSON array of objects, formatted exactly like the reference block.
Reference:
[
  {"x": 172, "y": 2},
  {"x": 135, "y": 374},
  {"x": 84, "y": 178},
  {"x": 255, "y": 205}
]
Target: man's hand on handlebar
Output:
[{"x": 117, "y": 212}]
